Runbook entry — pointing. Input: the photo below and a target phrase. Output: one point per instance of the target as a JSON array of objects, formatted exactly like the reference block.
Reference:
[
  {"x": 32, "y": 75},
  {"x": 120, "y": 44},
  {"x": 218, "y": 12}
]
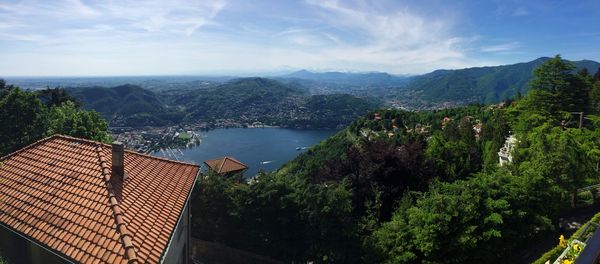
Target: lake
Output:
[{"x": 259, "y": 148}]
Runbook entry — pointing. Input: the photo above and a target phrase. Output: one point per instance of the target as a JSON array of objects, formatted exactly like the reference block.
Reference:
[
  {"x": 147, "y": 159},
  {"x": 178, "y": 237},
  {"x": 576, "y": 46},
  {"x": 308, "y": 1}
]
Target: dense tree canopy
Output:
[
  {"x": 26, "y": 119},
  {"x": 424, "y": 187},
  {"x": 22, "y": 118}
]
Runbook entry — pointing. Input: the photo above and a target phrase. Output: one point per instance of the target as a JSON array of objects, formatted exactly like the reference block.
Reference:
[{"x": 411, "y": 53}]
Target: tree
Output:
[
  {"x": 553, "y": 75},
  {"x": 595, "y": 98},
  {"x": 478, "y": 220},
  {"x": 558, "y": 155},
  {"x": 22, "y": 116},
  {"x": 68, "y": 120},
  {"x": 4, "y": 89},
  {"x": 26, "y": 119},
  {"x": 287, "y": 218},
  {"x": 56, "y": 97},
  {"x": 555, "y": 87}
]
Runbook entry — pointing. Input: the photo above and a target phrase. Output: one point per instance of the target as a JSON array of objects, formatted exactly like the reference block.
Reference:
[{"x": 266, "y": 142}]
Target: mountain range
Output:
[
  {"x": 238, "y": 101},
  {"x": 482, "y": 84},
  {"x": 354, "y": 79}
]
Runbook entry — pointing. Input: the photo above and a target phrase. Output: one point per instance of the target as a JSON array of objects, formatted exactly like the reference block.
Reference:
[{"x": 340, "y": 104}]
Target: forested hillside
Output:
[
  {"x": 421, "y": 187},
  {"x": 245, "y": 100},
  {"x": 350, "y": 79},
  {"x": 483, "y": 84},
  {"x": 126, "y": 105}
]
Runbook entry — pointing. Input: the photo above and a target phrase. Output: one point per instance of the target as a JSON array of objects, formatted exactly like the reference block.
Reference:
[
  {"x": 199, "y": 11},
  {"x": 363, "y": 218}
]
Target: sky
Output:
[{"x": 240, "y": 37}]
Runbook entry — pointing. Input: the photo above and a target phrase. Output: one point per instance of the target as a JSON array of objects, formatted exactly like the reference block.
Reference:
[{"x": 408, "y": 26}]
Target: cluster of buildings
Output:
[{"x": 150, "y": 139}]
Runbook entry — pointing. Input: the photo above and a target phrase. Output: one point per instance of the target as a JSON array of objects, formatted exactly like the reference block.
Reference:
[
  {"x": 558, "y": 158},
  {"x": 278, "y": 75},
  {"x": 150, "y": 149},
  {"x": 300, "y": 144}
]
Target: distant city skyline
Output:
[{"x": 234, "y": 37}]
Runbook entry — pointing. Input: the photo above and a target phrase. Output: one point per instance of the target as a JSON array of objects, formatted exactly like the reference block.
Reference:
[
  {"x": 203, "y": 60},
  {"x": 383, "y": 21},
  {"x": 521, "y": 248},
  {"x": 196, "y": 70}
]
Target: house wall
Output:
[
  {"x": 178, "y": 249},
  {"x": 15, "y": 249}
]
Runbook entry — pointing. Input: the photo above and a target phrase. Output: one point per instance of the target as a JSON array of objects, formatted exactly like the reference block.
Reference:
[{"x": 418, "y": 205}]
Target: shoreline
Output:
[{"x": 149, "y": 139}]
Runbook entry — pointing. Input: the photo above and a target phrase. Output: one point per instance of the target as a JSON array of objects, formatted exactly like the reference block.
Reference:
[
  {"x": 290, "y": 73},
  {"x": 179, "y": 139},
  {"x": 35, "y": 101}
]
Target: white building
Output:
[{"x": 505, "y": 153}]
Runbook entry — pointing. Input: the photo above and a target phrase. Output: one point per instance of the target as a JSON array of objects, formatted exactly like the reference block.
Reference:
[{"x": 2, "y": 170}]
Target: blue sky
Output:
[{"x": 125, "y": 37}]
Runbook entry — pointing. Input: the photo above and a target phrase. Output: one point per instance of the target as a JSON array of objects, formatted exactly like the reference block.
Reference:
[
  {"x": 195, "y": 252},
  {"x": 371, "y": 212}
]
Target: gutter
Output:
[{"x": 41, "y": 245}]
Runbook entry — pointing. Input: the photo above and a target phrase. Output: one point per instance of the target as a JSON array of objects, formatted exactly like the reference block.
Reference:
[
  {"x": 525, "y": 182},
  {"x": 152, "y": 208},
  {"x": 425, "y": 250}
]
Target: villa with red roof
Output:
[
  {"x": 225, "y": 165},
  {"x": 65, "y": 199}
]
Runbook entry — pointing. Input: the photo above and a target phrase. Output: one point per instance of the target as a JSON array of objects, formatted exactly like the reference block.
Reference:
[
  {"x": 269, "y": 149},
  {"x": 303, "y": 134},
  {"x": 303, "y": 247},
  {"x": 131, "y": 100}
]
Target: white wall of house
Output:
[{"x": 178, "y": 249}]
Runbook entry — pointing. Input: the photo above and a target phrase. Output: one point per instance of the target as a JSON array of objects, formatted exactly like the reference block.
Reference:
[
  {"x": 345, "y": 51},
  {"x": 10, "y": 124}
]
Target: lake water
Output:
[{"x": 253, "y": 146}]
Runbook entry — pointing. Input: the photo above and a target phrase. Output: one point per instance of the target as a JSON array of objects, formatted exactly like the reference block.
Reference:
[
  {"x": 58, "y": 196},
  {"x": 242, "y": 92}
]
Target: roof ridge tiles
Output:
[
  {"x": 222, "y": 164},
  {"x": 125, "y": 236}
]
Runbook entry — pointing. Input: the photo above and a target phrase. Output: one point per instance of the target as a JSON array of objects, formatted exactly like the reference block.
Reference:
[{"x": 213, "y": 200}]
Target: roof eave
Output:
[{"x": 187, "y": 201}]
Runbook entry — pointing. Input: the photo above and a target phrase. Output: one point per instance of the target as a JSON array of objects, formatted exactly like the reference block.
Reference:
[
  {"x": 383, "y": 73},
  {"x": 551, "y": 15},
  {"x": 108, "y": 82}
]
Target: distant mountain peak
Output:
[
  {"x": 349, "y": 78},
  {"x": 301, "y": 71}
]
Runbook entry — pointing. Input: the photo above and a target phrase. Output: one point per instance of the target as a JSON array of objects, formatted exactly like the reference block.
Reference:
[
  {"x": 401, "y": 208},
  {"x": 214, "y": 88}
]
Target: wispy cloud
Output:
[
  {"x": 104, "y": 37},
  {"x": 520, "y": 11},
  {"x": 171, "y": 16},
  {"x": 176, "y": 16},
  {"x": 393, "y": 36},
  {"x": 504, "y": 47},
  {"x": 154, "y": 35}
]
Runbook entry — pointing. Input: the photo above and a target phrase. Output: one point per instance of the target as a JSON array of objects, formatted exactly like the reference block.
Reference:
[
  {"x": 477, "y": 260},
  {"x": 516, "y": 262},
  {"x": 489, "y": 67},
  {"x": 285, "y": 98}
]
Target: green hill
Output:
[
  {"x": 128, "y": 105},
  {"x": 239, "y": 97},
  {"x": 273, "y": 103},
  {"x": 241, "y": 101},
  {"x": 482, "y": 84}
]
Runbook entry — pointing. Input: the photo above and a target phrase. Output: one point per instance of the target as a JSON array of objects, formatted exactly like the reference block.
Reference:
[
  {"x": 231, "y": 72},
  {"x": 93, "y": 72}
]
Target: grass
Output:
[{"x": 185, "y": 135}]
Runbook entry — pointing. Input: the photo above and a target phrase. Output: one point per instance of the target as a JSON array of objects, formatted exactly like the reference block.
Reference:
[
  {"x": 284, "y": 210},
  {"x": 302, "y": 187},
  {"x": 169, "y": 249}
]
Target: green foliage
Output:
[
  {"x": 452, "y": 158},
  {"x": 127, "y": 105},
  {"x": 475, "y": 220},
  {"x": 482, "y": 84},
  {"x": 22, "y": 116},
  {"x": 559, "y": 155},
  {"x": 553, "y": 75},
  {"x": 562, "y": 88},
  {"x": 550, "y": 255},
  {"x": 68, "y": 120},
  {"x": 595, "y": 98},
  {"x": 55, "y": 97},
  {"x": 286, "y": 218},
  {"x": 26, "y": 119}
]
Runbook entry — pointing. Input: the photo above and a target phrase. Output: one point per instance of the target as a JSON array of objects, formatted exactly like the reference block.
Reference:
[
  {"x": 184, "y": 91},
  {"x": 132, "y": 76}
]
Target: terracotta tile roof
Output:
[
  {"x": 58, "y": 193},
  {"x": 225, "y": 165}
]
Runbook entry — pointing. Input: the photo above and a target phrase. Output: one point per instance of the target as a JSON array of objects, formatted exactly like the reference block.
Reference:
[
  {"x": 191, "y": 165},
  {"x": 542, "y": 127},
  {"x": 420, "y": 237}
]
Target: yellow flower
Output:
[
  {"x": 562, "y": 241},
  {"x": 577, "y": 247},
  {"x": 567, "y": 261}
]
